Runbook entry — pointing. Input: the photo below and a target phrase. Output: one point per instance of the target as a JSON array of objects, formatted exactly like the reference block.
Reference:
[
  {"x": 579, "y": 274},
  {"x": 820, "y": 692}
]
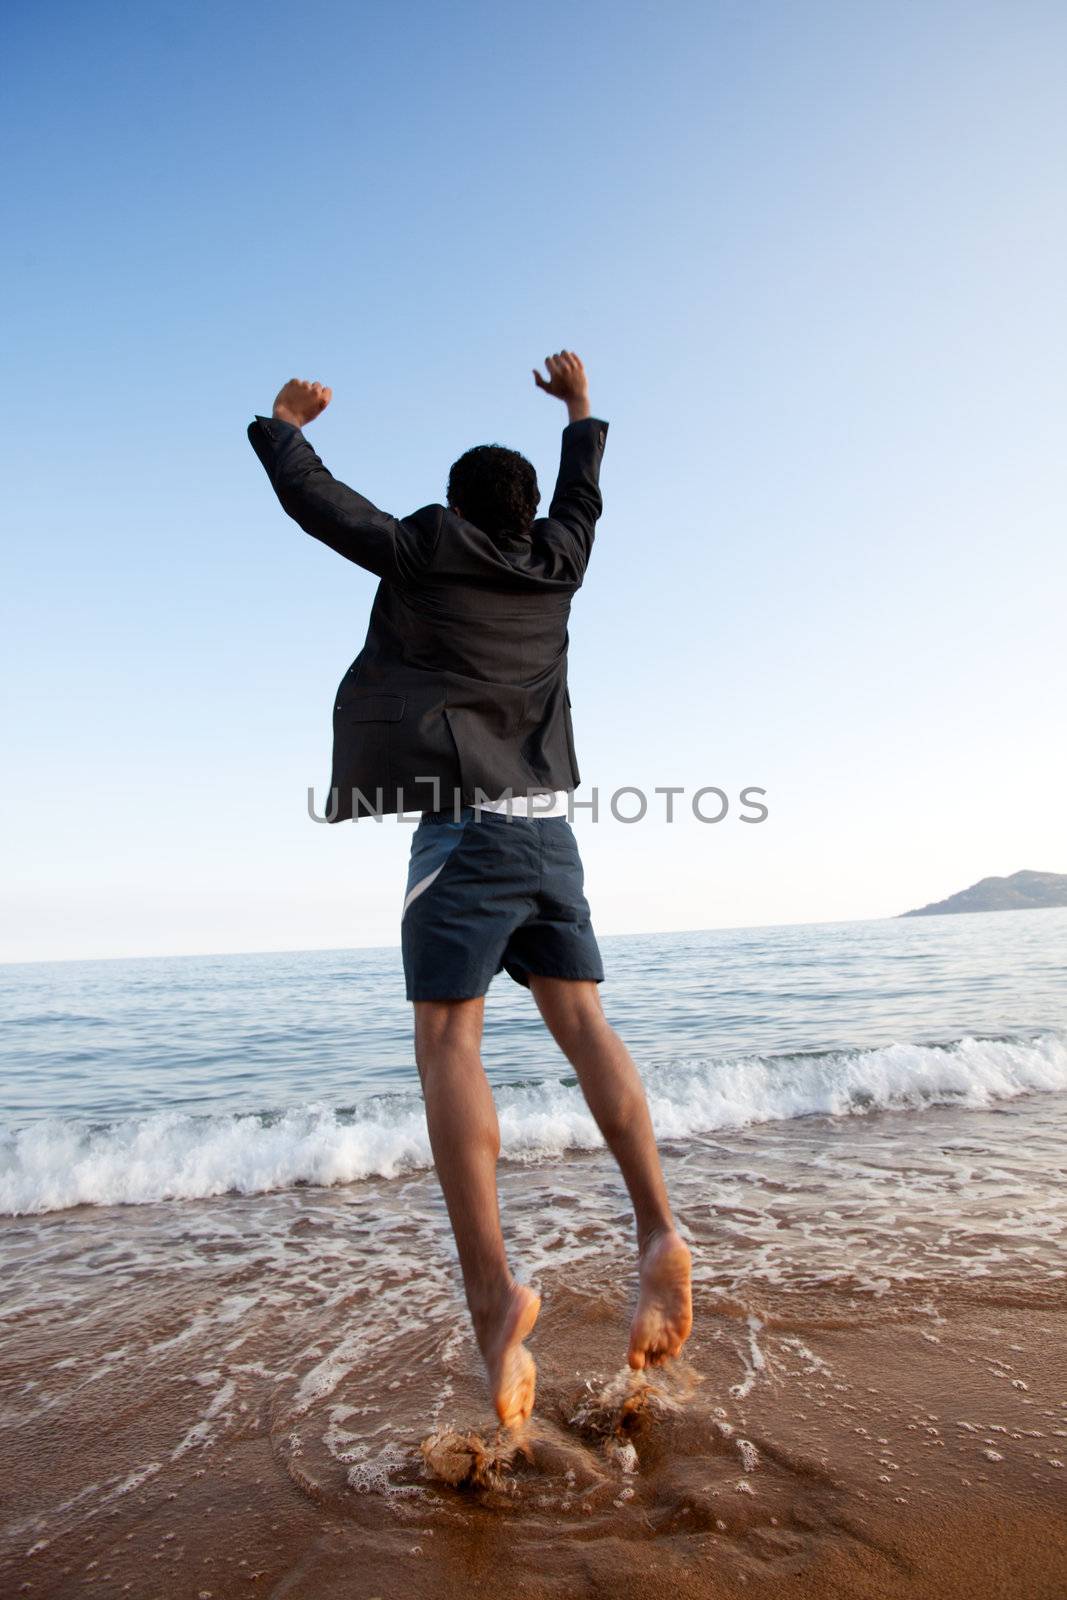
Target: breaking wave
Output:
[{"x": 173, "y": 1155}]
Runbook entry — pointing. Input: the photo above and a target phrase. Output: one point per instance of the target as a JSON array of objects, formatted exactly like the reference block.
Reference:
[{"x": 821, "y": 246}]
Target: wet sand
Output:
[{"x": 279, "y": 1395}]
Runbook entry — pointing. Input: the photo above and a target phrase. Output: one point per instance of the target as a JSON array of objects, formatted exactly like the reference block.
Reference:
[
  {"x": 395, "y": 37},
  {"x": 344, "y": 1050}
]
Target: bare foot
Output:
[
  {"x": 512, "y": 1374},
  {"x": 664, "y": 1314}
]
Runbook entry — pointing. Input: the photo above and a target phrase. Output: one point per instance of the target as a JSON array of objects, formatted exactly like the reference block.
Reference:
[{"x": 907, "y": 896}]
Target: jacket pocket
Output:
[{"x": 374, "y": 707}]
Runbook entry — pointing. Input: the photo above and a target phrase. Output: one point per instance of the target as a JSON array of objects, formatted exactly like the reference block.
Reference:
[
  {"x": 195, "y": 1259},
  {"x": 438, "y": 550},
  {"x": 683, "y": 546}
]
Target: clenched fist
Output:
[
  {"x": 567, "y": 381},
  {"x": 300, "y": 402}
]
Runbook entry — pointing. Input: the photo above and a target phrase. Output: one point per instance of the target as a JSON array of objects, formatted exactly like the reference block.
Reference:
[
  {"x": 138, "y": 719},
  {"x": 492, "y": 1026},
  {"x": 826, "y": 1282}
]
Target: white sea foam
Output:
[{"x": 58, "y": 1163}]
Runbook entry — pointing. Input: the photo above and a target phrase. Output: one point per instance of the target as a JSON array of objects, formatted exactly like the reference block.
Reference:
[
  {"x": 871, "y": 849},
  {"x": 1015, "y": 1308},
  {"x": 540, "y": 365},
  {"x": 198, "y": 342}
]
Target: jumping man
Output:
[{"x": 458, "y": 707}]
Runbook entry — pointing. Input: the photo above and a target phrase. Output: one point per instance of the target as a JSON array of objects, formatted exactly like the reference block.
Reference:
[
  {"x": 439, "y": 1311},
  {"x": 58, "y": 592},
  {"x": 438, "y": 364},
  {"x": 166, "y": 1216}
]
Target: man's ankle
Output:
[
  {"x": 488, "y": 1305},
  {"x": 649, "y": 1232}
]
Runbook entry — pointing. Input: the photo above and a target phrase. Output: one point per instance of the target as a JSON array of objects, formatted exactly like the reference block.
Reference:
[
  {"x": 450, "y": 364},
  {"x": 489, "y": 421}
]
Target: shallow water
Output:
[
  {"x": 310, "y": 1343},
  {"x": 277, "y": 1391}
]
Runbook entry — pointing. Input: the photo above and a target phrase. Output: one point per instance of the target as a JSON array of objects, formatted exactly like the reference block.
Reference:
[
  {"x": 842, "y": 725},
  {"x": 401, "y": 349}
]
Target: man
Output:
[{"x": 458, "y": 706}]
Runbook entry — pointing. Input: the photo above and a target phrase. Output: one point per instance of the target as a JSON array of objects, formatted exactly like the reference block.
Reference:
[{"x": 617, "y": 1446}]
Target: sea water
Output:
[{"x": 143, "y": 1080}]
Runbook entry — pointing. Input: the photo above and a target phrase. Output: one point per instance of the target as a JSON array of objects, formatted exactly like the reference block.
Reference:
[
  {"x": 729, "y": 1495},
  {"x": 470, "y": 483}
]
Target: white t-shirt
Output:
[{"x": 535, "y": 805}]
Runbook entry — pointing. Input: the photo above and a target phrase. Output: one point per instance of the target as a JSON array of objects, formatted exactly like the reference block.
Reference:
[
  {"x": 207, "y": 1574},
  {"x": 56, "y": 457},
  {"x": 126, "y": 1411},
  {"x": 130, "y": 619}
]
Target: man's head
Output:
[{"x": 494, "y": 488}]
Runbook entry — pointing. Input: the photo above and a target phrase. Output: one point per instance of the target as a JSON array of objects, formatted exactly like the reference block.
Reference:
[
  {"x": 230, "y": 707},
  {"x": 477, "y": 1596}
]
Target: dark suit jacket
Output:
[{"x": 463, "y": 676}]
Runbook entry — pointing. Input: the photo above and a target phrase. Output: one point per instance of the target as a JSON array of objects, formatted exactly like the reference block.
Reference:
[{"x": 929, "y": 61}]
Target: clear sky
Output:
[{"x": 813, "y": 256}]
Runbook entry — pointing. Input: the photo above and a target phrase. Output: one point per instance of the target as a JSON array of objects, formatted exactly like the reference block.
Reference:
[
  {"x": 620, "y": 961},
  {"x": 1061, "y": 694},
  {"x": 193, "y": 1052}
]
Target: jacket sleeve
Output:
[
  {"x": 330, "y": 511},
  {"x": 576, "y": 500}
]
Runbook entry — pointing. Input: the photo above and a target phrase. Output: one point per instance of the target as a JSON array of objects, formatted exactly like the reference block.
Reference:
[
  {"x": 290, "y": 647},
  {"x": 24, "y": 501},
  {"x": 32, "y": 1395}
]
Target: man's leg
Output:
[
  {"x": 465, "y": 1140},
  {"x": 616, "y": 1097}
]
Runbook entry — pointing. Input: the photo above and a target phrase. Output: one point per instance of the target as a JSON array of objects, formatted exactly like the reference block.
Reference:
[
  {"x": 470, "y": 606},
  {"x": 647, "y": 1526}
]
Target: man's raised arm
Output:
[
  {"x": 323, "y": 506},
  {"x": 576, "y": 500}
]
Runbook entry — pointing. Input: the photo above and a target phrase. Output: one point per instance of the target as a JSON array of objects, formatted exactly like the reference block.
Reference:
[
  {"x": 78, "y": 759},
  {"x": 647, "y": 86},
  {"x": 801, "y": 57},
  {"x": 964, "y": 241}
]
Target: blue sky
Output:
[{"x": 813, "y": 257}]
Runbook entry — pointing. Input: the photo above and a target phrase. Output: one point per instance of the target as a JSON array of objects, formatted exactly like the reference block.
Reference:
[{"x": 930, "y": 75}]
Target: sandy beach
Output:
[{"x": 270, "y": 1394}]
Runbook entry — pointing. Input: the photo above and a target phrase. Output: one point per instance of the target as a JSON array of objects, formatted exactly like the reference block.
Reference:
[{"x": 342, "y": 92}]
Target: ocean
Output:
[
  {"x": 233, "y": 1344},
  {"x": 148, "y": 1080}
]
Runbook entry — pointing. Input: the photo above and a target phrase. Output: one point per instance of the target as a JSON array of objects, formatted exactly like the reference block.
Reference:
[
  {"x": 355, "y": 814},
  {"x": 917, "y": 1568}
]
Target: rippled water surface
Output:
[
  {"x": 139, "y": 1080},
  {"x": 233, "y": 1350},
  {"x": 106, "y": 1038}
]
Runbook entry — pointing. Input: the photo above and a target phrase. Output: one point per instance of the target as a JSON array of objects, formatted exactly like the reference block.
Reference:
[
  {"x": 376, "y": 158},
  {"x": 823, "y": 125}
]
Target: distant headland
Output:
[{"x": 1023, "y": 891}]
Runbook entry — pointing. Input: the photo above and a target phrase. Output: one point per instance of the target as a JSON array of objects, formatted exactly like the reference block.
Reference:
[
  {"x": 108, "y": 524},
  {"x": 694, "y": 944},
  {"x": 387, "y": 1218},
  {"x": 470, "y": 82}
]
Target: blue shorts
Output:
[{"x": 488, "y": 893}]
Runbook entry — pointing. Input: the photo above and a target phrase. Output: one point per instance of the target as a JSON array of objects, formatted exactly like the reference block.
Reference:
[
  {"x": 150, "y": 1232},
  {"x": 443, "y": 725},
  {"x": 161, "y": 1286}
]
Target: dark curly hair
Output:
[{"x": 496, "y": 489}]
